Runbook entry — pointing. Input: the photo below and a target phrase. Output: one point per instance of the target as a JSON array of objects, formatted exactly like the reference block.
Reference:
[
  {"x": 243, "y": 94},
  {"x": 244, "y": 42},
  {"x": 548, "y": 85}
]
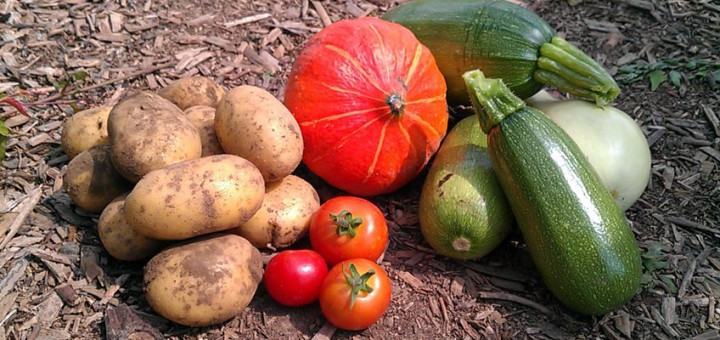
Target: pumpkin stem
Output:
[
  {"x": 492, "y": 95},
  {"x": 396, "y": 103}
]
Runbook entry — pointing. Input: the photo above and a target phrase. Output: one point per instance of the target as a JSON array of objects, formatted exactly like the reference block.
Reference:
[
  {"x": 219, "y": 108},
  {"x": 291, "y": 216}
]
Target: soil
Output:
[{"x": 56, "y": 281}]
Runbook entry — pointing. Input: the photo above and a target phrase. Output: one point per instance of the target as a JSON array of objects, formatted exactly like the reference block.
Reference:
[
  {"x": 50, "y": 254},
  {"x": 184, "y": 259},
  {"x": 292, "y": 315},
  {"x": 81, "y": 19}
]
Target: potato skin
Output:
[
  {"x": 195, "y": 197},
  {"x": 193, "y": 91},
  {"x": 203, "y": 281},
  {"x": 284, "y": 216},
  {"x": 147, "y": 133},
  {"x": 120, "y": 239},
  {"x": 84, "y": 130},
  {"x": 91, "y": 181},
  {"x": 251, "y": 123},
  {"x": 203, "y": 118}
]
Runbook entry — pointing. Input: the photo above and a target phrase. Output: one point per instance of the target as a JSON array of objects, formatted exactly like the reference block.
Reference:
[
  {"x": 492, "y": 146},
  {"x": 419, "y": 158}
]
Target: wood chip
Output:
[
  {"x": 456, "y": 287},
  {"x": 709, "y": 335},
  {"x": 668, "y": 310},
  {"x": 247, "y": 20},
  {"x": 122, "y": 323},
  {"x": 691, "y": 271},
  {"x": 504, "y": 273},
  {"x": 684, "y": 222},
  {"x": 325, "y": 333},
  {"x": 112, "y": 37},
  {"x": 220, "y": 42},
  {"x": 519, "y": 299},
  {"x": 89, "y": 260},
  {"x": 7, "y": 303},
  {"x": 205, "y": 18},
  {"x": 712, "y": 118},
  {"x": 322, "y": 13},
  {"x": 601, "y": 26},
  {"x": 663, "y": 324},
  {"x": 624, "y": 324},
  {"x": 30, "y": 203},
  {"x": 7, "y": 284},
  {"x": 410, "y": 279},
  {"x": 67, "y": 294},
  {"x": 712, "y": 152}
]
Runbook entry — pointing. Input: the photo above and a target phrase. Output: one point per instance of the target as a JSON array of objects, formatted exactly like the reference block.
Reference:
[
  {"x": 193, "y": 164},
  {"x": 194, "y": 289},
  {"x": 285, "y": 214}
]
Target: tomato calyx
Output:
[
  {"x": 357, "y": 282},
  {"x": 345, "y": 223}
]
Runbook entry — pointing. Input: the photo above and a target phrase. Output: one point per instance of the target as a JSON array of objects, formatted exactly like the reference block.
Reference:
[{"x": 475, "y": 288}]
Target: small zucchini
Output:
[
  {"x": 577, "y": 236},
  {"x": 463, "y": 211}
]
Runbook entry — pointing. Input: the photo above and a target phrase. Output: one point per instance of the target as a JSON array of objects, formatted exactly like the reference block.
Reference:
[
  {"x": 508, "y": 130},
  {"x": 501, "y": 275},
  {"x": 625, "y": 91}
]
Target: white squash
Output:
[{"x": 609, "y": 138}]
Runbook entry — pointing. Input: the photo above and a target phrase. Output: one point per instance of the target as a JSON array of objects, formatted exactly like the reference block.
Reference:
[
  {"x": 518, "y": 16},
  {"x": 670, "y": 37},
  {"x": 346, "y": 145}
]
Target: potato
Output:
[
  {"x": 195, "y": 197},
  {"x": 148, "y": 133},
  {"x": 284, "y": 216},
  {"x": 91, "y": 181},
  {"x": 192, "y": 91},
  {"x": 119, "y": 238},
  {"x": 203, "y": 281},
  {"x": 203, "y": 118},
  {"x": 252, "y": 124},
  {"x": 84, "y": 130}
]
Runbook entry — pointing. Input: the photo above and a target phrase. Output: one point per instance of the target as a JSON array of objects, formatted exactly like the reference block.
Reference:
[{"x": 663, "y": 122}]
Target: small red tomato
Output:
[
  {"x": 355, "y": 294},
  {"x": 348, "y": 227},
  {"x": 293, "y": 277}
]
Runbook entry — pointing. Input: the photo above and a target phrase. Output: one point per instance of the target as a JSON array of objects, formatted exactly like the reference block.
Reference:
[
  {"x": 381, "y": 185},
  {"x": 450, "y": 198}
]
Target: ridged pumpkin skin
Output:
[
  {"x": 498, "y": 37},
  {"x": 370, "y": 101}
]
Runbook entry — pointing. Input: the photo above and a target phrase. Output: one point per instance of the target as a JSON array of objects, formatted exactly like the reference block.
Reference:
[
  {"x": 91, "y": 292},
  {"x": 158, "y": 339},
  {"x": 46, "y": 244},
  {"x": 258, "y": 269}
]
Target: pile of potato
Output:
[{"x": 196, "y": 178}]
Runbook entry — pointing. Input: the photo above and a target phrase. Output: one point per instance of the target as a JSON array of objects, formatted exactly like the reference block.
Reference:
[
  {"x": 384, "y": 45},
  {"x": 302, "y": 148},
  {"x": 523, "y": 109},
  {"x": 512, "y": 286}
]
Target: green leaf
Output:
[
  {"x": 4, "y": 132},
  {"x": 675, "y": 78},
  {"x": 716, "y": 76},
  {"x": 60, "y": 85},
  {"x": 657, "y": 77},
  {"x": 667, "y": 280},
  {"x": 79, "y": 75}
]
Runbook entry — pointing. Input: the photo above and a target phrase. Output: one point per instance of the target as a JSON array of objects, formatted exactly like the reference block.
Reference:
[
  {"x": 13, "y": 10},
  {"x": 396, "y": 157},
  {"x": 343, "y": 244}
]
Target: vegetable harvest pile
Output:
[{"x": 200, "y": 181}]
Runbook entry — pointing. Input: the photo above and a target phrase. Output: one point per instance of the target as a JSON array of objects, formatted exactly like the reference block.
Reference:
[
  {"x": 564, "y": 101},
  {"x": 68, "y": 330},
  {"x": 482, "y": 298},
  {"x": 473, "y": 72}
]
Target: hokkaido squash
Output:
[{"x": 370, "y": 102}]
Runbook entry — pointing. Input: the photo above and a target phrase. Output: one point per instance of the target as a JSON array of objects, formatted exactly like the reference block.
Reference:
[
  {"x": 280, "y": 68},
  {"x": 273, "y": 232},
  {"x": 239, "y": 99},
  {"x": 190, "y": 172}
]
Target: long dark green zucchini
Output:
[
  {"x": 504, "y": 41},
  {"x": 578, "y": 238}
]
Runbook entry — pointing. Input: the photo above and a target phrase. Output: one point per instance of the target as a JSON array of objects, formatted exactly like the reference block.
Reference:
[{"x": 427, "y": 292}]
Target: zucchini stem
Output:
[
  {"x": 571, "y": 70},
  {"x": 492, "y": 95}
]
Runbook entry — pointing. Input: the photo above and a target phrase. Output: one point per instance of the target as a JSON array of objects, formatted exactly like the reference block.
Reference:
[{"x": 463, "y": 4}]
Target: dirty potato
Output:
[
  {"x": 91, "y": 181},
  {"x": 253, "y": 124},
  {"x": 203, "y": 281},
  {"x": 147, "y": 133},
  {"x": 203, "y": 118},
  {"x": 84, "y": 130},
  {"x": 195, "y": 197},
  {"x": 193, "y": 91},
  {"x": 284, "y": 216},
  {"x": 120, "y": 239}
]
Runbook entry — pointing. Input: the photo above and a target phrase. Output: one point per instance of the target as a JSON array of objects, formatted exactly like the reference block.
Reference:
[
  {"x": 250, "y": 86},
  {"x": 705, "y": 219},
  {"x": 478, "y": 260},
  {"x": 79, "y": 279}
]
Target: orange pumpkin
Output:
[{"x": 370, "y": 101}]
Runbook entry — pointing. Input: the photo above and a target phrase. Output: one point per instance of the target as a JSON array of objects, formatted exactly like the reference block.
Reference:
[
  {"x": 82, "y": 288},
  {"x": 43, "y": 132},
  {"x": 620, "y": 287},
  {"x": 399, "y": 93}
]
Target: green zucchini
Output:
[
  {"x": 578, "y": 237},
  {"x": 463, "y": 211},
  {"x": 504, "y": 41}
]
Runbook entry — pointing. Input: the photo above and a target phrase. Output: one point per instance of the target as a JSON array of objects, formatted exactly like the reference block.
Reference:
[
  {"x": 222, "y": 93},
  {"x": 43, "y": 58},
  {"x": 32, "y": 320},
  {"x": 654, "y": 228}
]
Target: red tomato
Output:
[
  {"x": 293, "y": 277},
  {"x": 355, "y": 294},
  {"x": 348, "y": 227}
]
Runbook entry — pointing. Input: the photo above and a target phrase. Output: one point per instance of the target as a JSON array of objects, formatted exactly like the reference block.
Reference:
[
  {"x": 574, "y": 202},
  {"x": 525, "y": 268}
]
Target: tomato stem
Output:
[
  {"x": 357, "y": 282},
  {"x": 345, "y": 223}
]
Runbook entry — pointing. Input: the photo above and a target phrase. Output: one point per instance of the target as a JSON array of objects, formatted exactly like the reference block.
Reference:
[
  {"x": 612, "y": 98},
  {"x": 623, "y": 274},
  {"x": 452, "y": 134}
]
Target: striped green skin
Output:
[
  {"x": 500, "y": 38},
  {"x": 579, "y": 239},
  {"x": 463, "y": 211}
]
